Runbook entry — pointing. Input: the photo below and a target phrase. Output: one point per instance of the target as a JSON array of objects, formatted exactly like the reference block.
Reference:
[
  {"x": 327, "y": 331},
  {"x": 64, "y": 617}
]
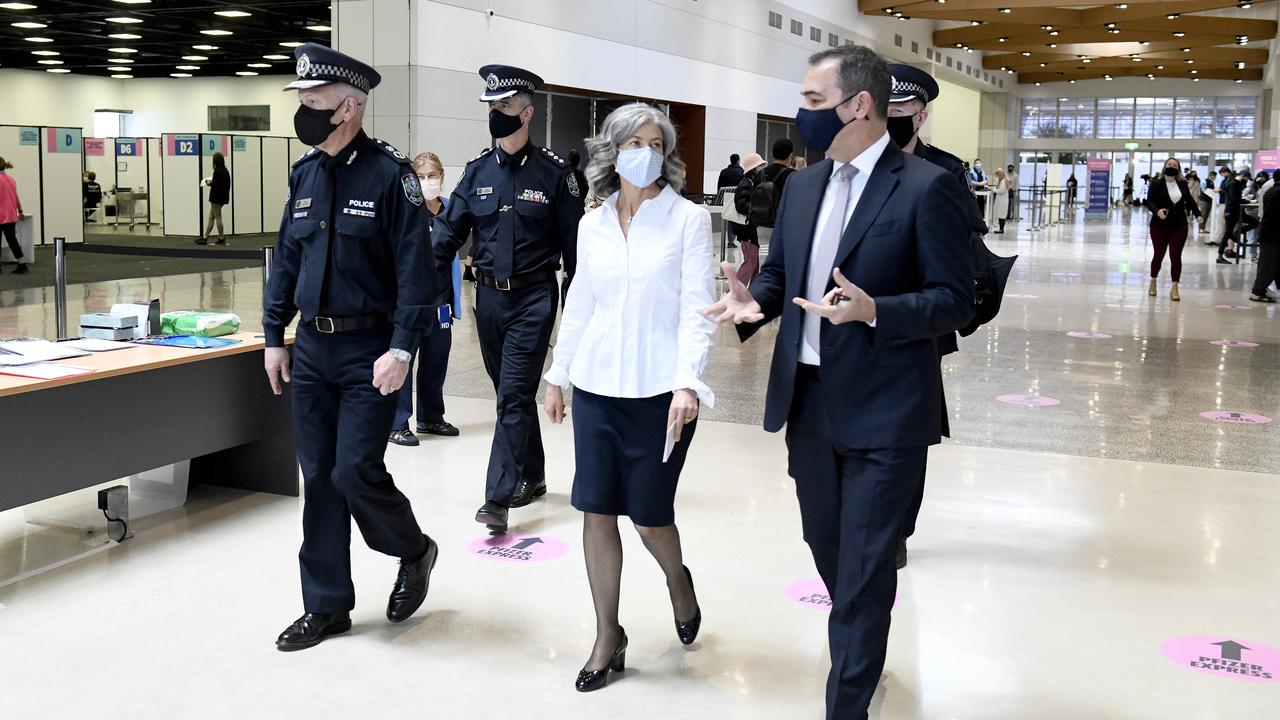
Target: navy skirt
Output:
[{"x": 618, "y": 447}]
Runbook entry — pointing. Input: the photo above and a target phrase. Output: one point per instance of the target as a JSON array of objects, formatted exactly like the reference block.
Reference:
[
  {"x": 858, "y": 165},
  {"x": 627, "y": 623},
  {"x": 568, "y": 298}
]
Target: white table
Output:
[{"x": 26, "y": 240}]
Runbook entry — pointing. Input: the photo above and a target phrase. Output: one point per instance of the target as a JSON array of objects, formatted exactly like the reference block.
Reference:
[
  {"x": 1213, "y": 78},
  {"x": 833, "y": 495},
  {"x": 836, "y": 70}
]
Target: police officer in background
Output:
[
  {"x": 913, "y": 90},
  {"x": 352, "y": 259},
  {"x": 523, "y": 204}
]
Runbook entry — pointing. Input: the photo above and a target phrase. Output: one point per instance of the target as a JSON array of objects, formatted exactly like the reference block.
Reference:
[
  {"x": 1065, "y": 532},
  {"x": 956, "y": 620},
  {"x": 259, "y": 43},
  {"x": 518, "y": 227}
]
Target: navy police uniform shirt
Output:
[
  {"x": 354, "y": 241},
  {"x": 523, "y": 208}
]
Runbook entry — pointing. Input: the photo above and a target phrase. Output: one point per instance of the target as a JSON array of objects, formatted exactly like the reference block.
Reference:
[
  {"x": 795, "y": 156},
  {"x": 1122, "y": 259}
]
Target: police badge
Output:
[
  {"x": 412, "y": 190},
  {"x": 304, "y": 66},
  {"x": 491, "y": 82},
  {"x": 574, "y": 190}
]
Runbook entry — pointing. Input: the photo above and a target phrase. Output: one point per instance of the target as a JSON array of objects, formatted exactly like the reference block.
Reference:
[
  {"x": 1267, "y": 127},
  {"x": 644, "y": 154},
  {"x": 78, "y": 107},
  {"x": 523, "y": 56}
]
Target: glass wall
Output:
[{"x": 1182, "y": 118}]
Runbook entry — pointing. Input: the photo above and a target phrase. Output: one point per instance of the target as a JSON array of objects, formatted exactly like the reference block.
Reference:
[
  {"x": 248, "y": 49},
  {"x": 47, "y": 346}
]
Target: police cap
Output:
[
  {"x": 319, "y": 65},
  {"x": 910, "y": 83},
  {"x": 503, "y": 81}
]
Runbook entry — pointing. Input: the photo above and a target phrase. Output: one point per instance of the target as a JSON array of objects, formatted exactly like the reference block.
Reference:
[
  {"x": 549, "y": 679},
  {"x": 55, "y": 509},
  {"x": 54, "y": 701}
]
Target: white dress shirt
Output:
[
  {"x": 633, "y": 325},
  {"x": 865, "y": 165},
  {"x": 1175, "y": 193}
]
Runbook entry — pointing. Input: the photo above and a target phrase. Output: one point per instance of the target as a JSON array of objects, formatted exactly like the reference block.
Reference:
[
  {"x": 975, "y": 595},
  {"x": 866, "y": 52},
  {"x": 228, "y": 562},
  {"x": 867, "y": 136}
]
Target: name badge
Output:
[
  {"x": 302, "y": 204},
  {"x": 445, "y": 313},
  {"x": 300, "y": 215},
  {"x": 359, "y": 213},
  {"x": 484, "y": 191}
]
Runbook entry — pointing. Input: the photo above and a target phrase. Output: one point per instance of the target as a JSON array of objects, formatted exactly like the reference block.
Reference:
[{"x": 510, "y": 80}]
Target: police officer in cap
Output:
[
  {"x": 523, "y": 204},
  {"x": 913, "y": 90},
  {"x": 352, "y": 259}
]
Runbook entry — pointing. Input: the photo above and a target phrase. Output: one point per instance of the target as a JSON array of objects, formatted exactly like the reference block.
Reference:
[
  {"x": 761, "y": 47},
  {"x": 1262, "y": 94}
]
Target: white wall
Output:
[{"x": 953, "y": 120}]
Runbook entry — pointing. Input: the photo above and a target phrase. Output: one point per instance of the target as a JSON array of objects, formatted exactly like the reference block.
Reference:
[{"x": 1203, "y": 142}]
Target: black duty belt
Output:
[
  {"x": 516, "y": 283},
  {"x": 811, "y": 373},
  {"x": 330, "y": 325}
]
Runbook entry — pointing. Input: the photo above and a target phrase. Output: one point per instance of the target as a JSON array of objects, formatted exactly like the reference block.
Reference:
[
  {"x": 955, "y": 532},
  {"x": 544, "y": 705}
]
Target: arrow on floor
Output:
[
  {"x": 527, "y": 543},
  {"x": 1230, "y": 649}
]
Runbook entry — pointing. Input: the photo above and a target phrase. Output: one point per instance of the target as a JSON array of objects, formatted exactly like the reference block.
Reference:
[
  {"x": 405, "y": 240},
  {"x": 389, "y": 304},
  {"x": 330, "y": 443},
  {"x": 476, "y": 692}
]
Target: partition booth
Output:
[
  {"x": 128, "y": 169},
  {"x": 259, "y": 168},
  {"x": 46, "y": 166}
]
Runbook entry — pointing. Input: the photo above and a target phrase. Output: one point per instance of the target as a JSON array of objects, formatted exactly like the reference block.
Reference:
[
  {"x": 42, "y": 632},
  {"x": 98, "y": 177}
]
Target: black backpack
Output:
[{"x": 765, "y": 198}]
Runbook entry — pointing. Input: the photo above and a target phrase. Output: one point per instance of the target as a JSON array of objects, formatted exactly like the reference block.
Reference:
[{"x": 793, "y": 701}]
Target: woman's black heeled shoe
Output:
[
  {"x": 589, "y": 680},
  {"x": 688, "y": 631}
]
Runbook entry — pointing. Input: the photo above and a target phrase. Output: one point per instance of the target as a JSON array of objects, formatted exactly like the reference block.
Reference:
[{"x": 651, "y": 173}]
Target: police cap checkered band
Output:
[
  {"x": 319, "y": 65},
  {"x": 909, "y": 88}
]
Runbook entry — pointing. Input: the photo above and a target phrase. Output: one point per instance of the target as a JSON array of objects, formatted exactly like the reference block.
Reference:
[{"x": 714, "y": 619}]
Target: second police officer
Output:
[
  {"x": 352, "y": 260},
  {"x": 522, "y": 203},
  {"x": 913, "y": 89}
]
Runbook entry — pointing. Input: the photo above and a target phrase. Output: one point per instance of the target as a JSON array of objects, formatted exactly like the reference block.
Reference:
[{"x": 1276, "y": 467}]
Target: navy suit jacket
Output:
[{"x": 907, "y": 246}]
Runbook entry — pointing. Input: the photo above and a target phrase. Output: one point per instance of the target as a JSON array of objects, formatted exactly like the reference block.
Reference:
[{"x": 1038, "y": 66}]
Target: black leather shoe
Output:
[
  {"x": 403, "y": 437},
  {"x": 1223, "y": 261},
  {"x": 311, "y": 629},
  {"x": 493, "y": 516},
  {"x": 589, "y": 680},
  {"x": 411, "y": 584},
  {"x": 688, "y": 631},
  {"x": 443, "y": 429},
  {"x": 202, "y": 241},
  {"x": 528, "y": 491},
  {"x": 21, "y": 269},
  {"x": 902, "y": 553}
]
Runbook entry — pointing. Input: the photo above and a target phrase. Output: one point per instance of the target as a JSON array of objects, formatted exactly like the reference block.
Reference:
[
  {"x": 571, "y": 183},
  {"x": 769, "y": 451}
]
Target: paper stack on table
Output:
[
  {"x": 24, "y": 352},
  {"x": 45, "y": 371}
]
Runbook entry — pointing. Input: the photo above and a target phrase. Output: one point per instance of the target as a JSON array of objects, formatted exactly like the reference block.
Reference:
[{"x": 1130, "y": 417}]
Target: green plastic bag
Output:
[{"x": 200, "y": 324}]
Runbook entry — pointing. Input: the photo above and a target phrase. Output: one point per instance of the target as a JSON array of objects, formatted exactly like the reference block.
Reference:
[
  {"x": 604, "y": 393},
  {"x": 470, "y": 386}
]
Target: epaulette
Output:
[
  {"x": 945, "y": 154},
  {"x": 393, "y": 152},
  {"x": 485, "y": 153},
  {"x": 310, "y": 153},
  {"x": 546, "y": 152}
]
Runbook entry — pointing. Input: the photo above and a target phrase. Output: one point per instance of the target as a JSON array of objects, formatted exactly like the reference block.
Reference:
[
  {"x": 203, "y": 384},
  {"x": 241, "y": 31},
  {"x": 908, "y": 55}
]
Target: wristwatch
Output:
[{"x": 402, "y": 355}]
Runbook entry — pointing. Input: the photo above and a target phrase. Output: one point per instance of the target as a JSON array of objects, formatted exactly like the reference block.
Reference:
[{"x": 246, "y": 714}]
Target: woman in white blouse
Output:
[{"x": 634, "y": 344}]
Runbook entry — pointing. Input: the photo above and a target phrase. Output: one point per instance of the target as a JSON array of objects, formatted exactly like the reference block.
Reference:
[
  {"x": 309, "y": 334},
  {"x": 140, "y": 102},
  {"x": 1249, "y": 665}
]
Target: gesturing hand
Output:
[
  {"x": 553, "y": 404},
  {"x": 1162, "y": 213},
  {"x": 737, "y": 305},
  {"x": 389, "y": 373},
  {"x": 845, "y": 303},
  {"x": 684, "y": 410}
]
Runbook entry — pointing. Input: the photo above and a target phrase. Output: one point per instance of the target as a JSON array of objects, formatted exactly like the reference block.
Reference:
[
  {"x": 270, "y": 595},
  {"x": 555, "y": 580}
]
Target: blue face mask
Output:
[
  {"x": 639, "y": 166},
  {"x": 819, "y": 128}
]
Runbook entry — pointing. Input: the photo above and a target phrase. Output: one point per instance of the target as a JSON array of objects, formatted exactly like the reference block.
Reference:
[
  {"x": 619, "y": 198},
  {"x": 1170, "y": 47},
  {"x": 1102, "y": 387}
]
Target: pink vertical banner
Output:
[
  {"x": 52, "y": 134},
  {"x": 226, "y": 146},
  {"x": 169, "y": 147}
]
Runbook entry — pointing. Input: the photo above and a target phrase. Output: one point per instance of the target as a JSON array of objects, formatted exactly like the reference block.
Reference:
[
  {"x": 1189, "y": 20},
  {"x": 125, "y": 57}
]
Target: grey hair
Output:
[
  {"x": 860, "y": 68},
  {"x": 621, "y": 124}
]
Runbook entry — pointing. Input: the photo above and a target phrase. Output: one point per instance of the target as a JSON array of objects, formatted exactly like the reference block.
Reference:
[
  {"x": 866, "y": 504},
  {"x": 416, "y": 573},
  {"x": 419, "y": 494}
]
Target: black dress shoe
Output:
[
  {"x": 311, "y": 629},
  {"x": 688, "y": 631},
  {"x": 528, "y": 491},
  {"x": 403, "y": 437},
  {"x": 443, "y": 429},
  {"x": 202, "y": 241},
  {"x": 21, "y": 269},
  {"x": 902, "y": 553},
  {"x": 1223, "y": 261},
  {"x": 589, "y": 680},
  {"x": 493, "y": 516},
  {"x": 411, "y": 584}
]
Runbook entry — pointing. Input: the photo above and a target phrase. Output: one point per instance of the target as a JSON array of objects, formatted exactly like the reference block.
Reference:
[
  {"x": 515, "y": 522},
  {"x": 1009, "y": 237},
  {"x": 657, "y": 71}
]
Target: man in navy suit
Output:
[{"x": 869, "y": 264}]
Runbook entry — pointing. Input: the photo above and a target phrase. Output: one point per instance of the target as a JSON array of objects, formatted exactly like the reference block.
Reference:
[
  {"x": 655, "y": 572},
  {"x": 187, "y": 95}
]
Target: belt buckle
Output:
[
  {"x": 502, "y": 285},
  {"x": 321, "y": 328}
]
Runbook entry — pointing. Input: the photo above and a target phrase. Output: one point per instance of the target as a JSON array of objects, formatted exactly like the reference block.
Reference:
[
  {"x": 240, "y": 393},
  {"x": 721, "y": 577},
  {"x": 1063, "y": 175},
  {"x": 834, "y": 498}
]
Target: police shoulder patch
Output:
[
  {"x": 309, "y": 153},
  {"x": 412, "y": 188},
  {"x": 572, "y": 182}
]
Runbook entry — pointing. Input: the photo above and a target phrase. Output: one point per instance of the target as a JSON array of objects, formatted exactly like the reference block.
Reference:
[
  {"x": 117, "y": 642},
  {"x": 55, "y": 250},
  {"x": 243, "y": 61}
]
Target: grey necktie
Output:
[{"x": 825, "y": 245}]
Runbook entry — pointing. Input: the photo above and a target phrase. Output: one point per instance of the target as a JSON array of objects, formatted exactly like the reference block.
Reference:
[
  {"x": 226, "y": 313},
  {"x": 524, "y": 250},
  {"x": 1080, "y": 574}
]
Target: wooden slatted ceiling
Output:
[{"x": 1063, "y": 40}]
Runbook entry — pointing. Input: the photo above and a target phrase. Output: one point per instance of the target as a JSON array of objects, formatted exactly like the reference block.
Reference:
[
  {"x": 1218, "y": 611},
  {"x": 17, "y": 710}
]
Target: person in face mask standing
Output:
[
  {"x": 433, "y": 359},
  {"x": 869, "y": 263},
  {"x": 913, "y": 90},
  {"x": 350, "y": 256},
  {"x": 521, "y": 203},
  {"x": 626, "y": 404}
]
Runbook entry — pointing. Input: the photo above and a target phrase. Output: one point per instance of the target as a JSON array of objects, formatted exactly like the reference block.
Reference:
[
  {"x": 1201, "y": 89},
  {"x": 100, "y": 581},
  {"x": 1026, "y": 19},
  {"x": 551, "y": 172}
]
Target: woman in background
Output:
[
  {"x": 1001, "y": 199},
  {"x": 747, "y": 233},
  {"x": 219, "y": 196},
  {"x": 433, "y": 354},
  {"x": 10, "y": 214},
  {"x": 634, "y": 344},
  {"x": 1171, "y": 206}
]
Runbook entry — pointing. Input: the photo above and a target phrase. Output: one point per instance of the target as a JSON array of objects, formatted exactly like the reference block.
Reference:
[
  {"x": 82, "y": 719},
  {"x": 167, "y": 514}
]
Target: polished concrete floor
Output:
[{"x": 1074, "y": 560}]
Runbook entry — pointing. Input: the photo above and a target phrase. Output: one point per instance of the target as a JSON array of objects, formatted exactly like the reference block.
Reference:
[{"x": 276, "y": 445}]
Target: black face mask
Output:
[
  {"x": 313, "y": 126},
  {"x": 1171, "y": 172},
  {"x": 503, "y": 125},
  {"x": 902, "y": 128}
]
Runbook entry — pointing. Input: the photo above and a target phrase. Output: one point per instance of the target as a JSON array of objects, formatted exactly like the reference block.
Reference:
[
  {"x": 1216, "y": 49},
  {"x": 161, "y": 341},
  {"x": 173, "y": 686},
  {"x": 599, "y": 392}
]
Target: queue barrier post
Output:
[{"x": 60, "y": 285}]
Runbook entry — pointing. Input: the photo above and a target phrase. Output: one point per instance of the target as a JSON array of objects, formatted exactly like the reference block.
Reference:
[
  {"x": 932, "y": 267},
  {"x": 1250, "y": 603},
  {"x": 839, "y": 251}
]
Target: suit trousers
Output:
[
  {"x": 1268, "y": 267},
  {"x": 515, "y": 330},
  {"x": 428, "y": 374},
  {"x": 341, "y": 422},
  {"x": 853, "y": 506}
]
